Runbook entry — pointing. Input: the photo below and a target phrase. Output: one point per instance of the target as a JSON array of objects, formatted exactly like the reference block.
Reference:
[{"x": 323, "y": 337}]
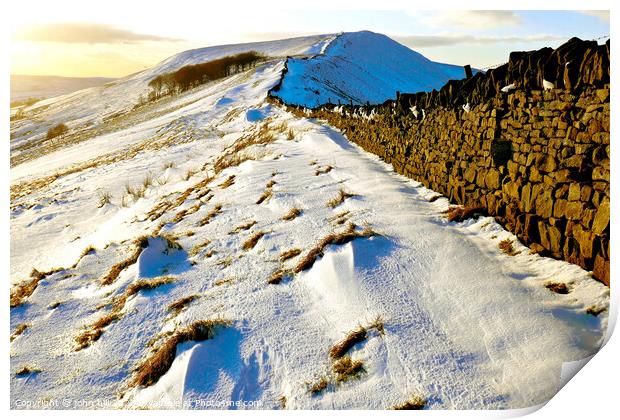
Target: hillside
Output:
[
  {"x": 212, "y": 246},
  {"x": 25, "y": 87},
  {"x": 361, "y": 67}
]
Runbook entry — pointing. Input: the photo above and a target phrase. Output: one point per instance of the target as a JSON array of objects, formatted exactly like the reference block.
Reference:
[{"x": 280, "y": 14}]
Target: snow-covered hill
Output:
[
  {"x": 88, "y": 108},
  {"x": 362, "y": 67},
  {"x": 212, "y": 248}
]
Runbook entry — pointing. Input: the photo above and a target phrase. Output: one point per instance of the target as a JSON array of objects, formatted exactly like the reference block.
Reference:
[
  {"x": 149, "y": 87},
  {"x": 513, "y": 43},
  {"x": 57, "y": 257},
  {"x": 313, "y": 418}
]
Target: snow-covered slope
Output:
[
  {"x": 190, "y": 206},
  {"x": 89, "y": 107},
  {"x": 362, "y": 67}
]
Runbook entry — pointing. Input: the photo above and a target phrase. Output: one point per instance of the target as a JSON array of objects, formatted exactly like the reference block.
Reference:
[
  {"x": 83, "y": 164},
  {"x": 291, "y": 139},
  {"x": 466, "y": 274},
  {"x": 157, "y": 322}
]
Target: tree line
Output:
[{"x": 190, "y": 76}]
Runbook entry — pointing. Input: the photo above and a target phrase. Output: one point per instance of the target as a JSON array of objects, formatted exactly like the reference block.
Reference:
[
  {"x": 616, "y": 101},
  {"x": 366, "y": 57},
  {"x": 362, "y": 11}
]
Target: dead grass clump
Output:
[
  {"x": 228, "y": 182},
  {"x": 139, "y": 245},
  {"x": 414, "y": 403},
  {"x": 27, "y": 370},
  {"x": 292, "y": 214},
  {"x": 207, "y": 219},
  {"x": 144, "y": 284},
  {"x": 341, "y": 348},
  {"x": 89, "y": 249},
  {"x": 19, "y": 330},
  {"x": 135, "y": 192},
  {"x": 559, "y": 288},
  {"x": 323, "y": 170},
  {"x": 147, "y": 181},
  {"x": 336, "y": 238},
  {"x": 342, "y": 195},
  {"x": 265, "y": 196},
  {"x": 435, "y": 198},
  {"x": 224, "y": 262},
  {"x": 319, "y": 386},
  {"x": 378, "y": 325},
  {"x": 290, "y": 134},
  {"x": 595, "y": 310},
  {"x": 103, "y": 198},
  {"x": 222, "y": 282},
  {"x": 270, "y": 184},
  {"x": 346, "y": 369},
  {"x": 54, "y": 305},
  {"x": 94, "y": 332},
  {"x": 277, "y": 276},
  {"x": 177, "y": 306},
  {"x": 199, "y": 247},
  {"x": 460, "y": 213},
  {"x": 154, "y": 367},
  {"x": 242, "y": 227},
  {"x": 252, "y": 240},
  {"x": 236, "y": 153},
  {"x": 23, "y": 291},
  {"x": 189, "y": 173},
  {"x": 506, "y": 247},
  {"x": 291, "y": 253}
]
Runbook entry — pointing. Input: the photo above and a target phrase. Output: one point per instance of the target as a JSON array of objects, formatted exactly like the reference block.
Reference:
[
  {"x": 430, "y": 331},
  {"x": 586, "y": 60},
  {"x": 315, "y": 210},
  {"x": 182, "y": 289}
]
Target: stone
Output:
[
  {"x": 573, "y": 210},
  {"x": 544, "y": 203},
  {"x": 601, "y": 218},
  {"x": 585, "y": 240},
  {"x": 574, "y": 192},
  {"x": 492, "y": 180}
]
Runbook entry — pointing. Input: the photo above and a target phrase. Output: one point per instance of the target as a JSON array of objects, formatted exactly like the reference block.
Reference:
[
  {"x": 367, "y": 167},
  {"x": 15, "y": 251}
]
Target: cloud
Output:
[
  {"x": 85, "y": 33},
  {"x": 421, "y": 41},
  {"x": 472, "y": 19},
  {"x": 601, "y": 14}
]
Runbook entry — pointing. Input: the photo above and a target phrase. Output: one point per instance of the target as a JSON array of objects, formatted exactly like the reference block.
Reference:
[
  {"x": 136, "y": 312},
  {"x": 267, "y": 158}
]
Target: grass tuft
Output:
[
  {"x": 139, "y": 245},
  {"x": 265, "y": 196},
  {"x": 595, "y": 310},
  {"x": 292, "y": 214},
  {"x": 228, "y": 182},
  {"x": 242, "y": 227},
  {"x": 319, "y": 386},
  {"x": 460, "y": 213},
  {"x": 507, "y": 248},
  {"x": 94, "y": 332},
  {"x": 150, "y": 370},
  {"x": 414, "y": 403},
  {"x": 336, "y": 238},
  {"x": 252, "y": 240},
  {"x": 103, "y": 198},
  {"x": 291, "y": 253},
  {"x": 342, "y": 195},
  {"x": 341, "y": 348},
  {"x": 27, "y": 370},
  {"x": 346, "y": 369},
  {"x": 207, "y": 219},
  {"x": 559, "y": 288},
  {"x": 19, "y": 330},
  {"x": 323, "y": 170},
  {"x": 177, "y": 306},
  {"x": 23, "y": 291}
]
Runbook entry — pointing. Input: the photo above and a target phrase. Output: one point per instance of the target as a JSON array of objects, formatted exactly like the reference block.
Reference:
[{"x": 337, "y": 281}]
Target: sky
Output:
[{"x": 68, "y": 38}]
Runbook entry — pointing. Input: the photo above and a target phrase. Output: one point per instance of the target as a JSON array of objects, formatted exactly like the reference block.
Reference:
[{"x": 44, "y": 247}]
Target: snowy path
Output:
[{"x": 466, "y": 326}]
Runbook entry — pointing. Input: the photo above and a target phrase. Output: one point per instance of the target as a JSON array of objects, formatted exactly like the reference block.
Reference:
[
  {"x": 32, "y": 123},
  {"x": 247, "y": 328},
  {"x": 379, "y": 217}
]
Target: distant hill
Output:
[{"x": 24, "y": 87}]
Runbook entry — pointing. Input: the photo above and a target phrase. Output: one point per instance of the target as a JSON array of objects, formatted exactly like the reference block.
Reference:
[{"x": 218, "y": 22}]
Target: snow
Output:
[
  {"x": 362, "y": 67},
  {"x": 466, "y": 326}
]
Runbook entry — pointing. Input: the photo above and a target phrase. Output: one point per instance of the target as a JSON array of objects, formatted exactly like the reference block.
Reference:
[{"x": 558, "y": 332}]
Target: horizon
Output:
[{"x": 83, "y": 45}]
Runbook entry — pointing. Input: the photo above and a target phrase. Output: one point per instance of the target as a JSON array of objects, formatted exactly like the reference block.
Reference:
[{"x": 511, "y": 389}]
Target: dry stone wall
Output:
[{"x": 537, "y": 160}]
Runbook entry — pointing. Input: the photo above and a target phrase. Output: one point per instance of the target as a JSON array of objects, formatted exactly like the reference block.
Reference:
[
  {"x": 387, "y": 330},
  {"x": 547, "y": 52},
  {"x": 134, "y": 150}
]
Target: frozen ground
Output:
[{"x": 213, "y": 172}]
